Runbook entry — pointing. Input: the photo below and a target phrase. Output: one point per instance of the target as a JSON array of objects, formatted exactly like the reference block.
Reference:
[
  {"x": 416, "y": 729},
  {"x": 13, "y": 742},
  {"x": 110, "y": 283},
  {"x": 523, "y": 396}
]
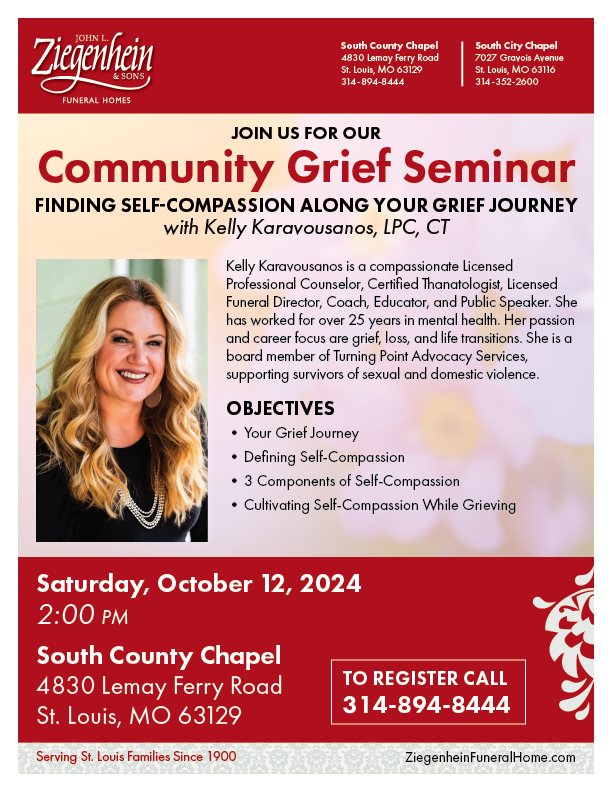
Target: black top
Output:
[{"x": 59, "y": 518}]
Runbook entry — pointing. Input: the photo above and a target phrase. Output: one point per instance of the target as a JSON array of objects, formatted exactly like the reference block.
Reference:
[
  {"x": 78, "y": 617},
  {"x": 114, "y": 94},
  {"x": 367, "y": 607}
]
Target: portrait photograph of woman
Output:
[{"x": 121, "y": 430}]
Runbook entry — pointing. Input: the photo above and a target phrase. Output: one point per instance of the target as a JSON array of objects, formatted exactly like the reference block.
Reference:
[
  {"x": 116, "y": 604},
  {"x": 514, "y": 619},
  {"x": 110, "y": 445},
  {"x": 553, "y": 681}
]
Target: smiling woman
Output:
[{"x": 121, "y": 436}]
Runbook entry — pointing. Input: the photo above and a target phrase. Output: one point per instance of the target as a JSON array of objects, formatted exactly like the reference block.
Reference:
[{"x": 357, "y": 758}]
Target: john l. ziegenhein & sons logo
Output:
[{"x": 130, "y": 63}]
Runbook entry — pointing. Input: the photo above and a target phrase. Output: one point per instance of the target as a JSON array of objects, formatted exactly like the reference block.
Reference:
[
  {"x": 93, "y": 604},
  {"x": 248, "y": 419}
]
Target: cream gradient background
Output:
[{"x": 533, "y": 446}]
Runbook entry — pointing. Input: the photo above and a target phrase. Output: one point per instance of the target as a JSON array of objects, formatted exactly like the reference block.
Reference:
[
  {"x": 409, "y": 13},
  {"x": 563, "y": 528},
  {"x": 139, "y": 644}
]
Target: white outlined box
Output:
[{"x": 428, "y": 660}]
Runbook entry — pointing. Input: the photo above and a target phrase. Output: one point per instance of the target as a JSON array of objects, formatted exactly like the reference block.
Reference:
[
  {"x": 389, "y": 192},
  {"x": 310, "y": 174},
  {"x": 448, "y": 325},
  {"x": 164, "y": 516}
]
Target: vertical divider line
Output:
[{"x": 462, "y": 64}]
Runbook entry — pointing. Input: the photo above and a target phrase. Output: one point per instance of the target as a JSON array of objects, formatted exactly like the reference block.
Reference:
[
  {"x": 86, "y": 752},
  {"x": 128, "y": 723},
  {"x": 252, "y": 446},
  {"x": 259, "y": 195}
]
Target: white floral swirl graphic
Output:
[{"x": 572, "y": 620}]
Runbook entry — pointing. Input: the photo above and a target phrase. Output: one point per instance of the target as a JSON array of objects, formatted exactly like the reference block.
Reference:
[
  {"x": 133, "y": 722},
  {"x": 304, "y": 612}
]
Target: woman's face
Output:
[{"x": 131, "y": 363}]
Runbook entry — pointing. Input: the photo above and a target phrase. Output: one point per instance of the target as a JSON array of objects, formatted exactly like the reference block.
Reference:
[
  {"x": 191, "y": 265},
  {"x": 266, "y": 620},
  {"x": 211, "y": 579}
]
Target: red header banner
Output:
[{"x": 306, "y": 65}]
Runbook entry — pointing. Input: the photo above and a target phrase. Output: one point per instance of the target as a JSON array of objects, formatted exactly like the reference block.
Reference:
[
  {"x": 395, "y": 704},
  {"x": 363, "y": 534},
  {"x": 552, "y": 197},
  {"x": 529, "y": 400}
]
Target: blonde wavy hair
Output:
[{"x": 68, "y": 420}]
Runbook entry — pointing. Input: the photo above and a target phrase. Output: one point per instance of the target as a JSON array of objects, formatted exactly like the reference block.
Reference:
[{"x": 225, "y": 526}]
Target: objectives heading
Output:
[{"x": 281, "y": 408}]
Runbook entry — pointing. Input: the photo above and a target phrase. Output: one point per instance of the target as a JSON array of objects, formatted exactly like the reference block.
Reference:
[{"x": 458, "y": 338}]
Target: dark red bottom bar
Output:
[{"x": 304, "y": 650}]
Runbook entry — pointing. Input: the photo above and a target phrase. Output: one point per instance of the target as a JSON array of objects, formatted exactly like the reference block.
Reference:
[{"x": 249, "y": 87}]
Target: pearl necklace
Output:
[{"x": 141, "y": 515}]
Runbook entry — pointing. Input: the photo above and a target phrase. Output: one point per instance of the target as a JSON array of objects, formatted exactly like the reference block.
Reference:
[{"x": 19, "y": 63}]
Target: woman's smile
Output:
[{"x": 134, "y": 376}]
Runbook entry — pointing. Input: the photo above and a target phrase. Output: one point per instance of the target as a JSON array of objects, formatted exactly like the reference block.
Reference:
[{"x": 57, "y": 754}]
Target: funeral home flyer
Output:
[{"x": 314, "y": 298}]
